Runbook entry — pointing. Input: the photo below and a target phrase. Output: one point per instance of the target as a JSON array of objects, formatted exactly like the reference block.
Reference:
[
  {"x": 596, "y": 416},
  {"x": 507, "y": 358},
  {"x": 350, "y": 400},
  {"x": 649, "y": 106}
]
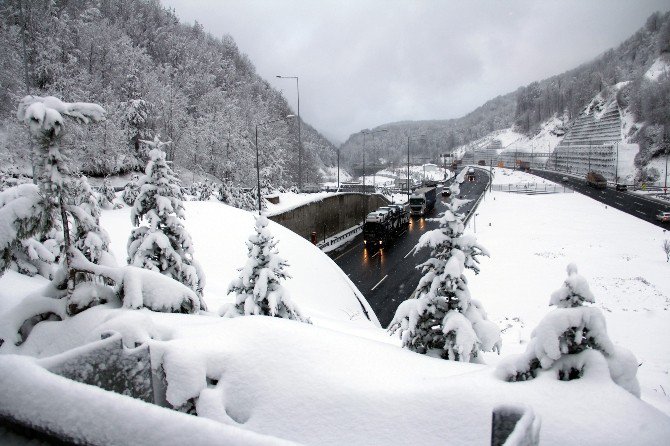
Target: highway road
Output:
[
  {"x": 633, "y": 204},
  {"x": 388, "y": 276}
]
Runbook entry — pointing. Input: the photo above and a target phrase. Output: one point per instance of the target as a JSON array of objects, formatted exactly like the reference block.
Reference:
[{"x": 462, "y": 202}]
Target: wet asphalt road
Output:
[
  {"x": 628, "y": 202},
  {"x": 388, "y": 276}
]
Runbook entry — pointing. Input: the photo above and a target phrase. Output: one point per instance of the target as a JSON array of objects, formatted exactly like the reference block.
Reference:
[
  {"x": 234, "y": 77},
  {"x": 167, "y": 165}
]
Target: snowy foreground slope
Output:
[
  {"x": 219, "y": 234},
  {"x": 533, "y": 237},
  {"x": 342, "y": 380}
]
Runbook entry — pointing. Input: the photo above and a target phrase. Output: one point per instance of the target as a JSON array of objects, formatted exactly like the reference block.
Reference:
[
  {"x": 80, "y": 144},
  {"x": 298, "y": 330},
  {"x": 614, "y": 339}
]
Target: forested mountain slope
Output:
[
  {"x": 153, "y": 75},
  {"x": 642, "y": 61}
]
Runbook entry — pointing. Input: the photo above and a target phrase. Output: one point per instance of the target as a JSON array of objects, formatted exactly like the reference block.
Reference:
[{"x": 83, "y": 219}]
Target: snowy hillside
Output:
[{"x": 219, "y": 233}]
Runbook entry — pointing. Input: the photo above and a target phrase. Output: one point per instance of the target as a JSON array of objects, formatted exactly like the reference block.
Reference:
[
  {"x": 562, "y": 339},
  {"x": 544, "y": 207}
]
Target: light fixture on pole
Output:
[
  {"x": 373, "y": 173},
  {"x": 408, "y": 138},
  {"x": 297, "y": 87},
  {"x": 258, "y": 169}
]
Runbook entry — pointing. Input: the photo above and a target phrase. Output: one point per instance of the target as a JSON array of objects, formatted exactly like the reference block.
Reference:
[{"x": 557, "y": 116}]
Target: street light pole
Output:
[
  {"x": 408, "y": 170},
  {"x": 258, "y": 169},
  {"x": 297, "y": 87},
  {"x": 616, "y": 167},
  {"x": 338, "y": 169},
  {"x": 373, "y": 172}
]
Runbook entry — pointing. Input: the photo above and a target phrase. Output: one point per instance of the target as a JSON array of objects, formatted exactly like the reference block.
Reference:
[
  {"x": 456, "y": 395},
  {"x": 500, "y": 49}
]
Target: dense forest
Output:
[
  {"x": 563, "y": 95},
  {"x": 154, "y": 76}
]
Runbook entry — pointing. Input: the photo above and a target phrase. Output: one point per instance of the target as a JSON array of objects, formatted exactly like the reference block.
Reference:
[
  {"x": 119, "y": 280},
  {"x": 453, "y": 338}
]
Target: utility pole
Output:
[
  {"x": 665, "y": 184},
  {"x": 408, "y": 170},
  {"x": 338, "y": 168},
  {"x": 491, "y": 173},
  {"x": 616, "y": 167}
]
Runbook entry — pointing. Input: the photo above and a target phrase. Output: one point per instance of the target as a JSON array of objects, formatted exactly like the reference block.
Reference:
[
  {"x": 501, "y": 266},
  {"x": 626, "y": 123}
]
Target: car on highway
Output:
[
  {"x": 621, "y": 187},
  {"x": 663, "y": 216}
]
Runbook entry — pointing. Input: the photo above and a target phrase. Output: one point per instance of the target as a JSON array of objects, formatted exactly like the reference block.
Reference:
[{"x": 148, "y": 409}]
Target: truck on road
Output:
[
  {"x": 596, "y": 180},
  {"x": 385, "y": 224},
  {"x": 422, "y": 200}
]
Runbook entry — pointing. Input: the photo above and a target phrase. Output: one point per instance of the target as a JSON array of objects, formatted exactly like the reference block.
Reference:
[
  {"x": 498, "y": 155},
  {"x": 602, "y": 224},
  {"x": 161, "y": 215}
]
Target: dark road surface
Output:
[
  {"x": 388, "y": 276},
  {"x": 630, "y": 203}
]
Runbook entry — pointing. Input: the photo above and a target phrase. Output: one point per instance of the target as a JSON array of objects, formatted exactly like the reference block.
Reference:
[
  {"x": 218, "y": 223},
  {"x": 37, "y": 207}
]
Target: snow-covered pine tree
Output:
[
  {"x": 23, "y": 216},
  {"x": 107, "y": 194},
  {"x": 44, "y": 118},
  {"x": 571, "y": 340},
  {"x": 131, "y": 190},
  {"x": 162, "y": 243},
  {"x": 442, "y": 319},
  {"x": 93, "y": 242},
  {"x": 257, "y": 289}
]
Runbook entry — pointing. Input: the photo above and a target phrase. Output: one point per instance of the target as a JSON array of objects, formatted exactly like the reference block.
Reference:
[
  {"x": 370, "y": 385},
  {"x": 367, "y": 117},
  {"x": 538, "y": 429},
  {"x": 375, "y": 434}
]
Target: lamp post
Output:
[
  {"x": 374, "y": 174},
  {"x": 338, "y": 169},
  {"x": 665, "y": 183},
  {"x": 408, "y": 138},
  {"x": 297, "y": 87},
  {"x": 258, "y": 169},
  {"x": 616, "y": 167}
]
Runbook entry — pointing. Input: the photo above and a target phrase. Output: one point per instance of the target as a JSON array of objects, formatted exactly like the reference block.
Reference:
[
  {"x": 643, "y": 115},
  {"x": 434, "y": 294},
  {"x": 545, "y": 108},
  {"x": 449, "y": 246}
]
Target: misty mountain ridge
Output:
[{"x": 562, "y": 97}]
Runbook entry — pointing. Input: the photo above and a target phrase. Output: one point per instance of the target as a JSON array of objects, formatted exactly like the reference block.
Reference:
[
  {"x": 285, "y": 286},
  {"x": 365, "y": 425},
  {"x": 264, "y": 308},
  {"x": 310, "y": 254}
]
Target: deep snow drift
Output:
[{"x": 342, "y": 380}]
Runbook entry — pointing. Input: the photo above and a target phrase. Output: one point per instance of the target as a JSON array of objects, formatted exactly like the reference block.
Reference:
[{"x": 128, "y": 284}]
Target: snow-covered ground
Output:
[
  {"x": 659, "y": 68},
  {"x": 343, "y": 380},
  {"x": 533, "y": 237}
]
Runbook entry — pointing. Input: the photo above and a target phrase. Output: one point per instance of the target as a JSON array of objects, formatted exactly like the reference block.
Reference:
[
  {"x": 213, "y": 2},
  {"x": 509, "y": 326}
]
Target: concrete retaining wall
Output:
[{"x": 331, "y": 215}]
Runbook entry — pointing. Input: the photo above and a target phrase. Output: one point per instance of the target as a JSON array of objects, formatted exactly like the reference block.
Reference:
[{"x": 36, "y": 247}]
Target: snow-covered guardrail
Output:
[{"x": 339, "y": 239}]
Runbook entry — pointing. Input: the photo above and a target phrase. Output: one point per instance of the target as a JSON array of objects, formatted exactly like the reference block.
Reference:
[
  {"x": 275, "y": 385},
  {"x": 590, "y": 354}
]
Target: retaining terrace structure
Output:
[
  {"x": 331, "y": 215},
  {"x": 590, "y": 144}
]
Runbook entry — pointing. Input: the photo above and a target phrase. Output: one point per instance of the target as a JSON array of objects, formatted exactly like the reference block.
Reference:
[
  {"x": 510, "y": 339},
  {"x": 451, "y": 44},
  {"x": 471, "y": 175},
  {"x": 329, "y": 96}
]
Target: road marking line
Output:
[
  {"x": 639, "y": 204},
  {"x": 375, "y": 254},
  {"x": 378, "y": 283},
  {"x": 345, "y": 252},
  {"x": 640, "y": 212},
  {"x": 410, "y": 251},
  {"x": 619, "y": 203}
]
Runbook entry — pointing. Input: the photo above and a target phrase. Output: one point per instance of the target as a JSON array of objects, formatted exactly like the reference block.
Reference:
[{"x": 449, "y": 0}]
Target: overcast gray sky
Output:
[{"x": 363, "y": 63}]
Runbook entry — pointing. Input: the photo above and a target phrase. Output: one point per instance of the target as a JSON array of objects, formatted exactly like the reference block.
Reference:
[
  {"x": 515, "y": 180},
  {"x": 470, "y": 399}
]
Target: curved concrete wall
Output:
[{"x": 331, "y": 215}]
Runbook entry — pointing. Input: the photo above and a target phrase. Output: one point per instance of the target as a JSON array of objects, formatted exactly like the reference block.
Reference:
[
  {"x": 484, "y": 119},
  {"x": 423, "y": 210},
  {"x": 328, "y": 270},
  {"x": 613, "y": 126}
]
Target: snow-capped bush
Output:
[
  {"x": 559, "y": 340},
  {"x": 131, "y": 190},
  {"x": 162, "y": 244},
  {"x": 257, "y": 289},
  {"x": 238, "y": 197},
  {"x": 442, "y": 319},
  {"x": 22, "y": 216},
  {"x": 201, "y": 191},
  {"x": 107, "y": 194}
]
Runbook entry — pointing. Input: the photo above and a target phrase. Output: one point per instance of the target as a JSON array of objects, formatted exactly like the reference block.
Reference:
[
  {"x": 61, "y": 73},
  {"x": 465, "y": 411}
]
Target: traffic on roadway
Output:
[
  {"x": 623, "y": 200},
  {"x": 388, "y": 276}
]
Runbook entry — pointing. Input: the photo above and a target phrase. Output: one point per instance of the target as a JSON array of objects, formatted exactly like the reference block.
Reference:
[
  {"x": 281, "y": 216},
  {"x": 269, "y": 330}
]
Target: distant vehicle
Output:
[
  {"x": 481, "y": 162},
  {"x": 524, "y": 166},
  {"x": 446, "y": 192},
  {"x": 663, "y": 216},
  {"x": 564, "y": 179},
  {"x": 422, "y": 200},
  {"x": 621, "y": 187},
  {"x": 384, "y": 224},
  {"x": 596, "y": 180},
  {"x": 430, "y": 183}
]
